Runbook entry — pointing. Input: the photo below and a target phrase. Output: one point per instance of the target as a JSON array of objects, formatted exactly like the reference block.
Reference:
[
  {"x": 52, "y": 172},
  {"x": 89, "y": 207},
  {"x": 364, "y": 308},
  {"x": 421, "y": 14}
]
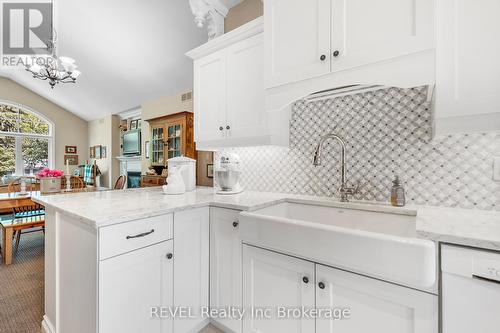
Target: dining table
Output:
[{"x": 11, "y": 224}]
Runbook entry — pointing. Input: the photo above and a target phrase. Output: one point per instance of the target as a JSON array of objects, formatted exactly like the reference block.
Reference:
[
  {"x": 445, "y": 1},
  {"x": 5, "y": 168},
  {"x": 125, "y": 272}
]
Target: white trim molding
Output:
[
  {"x": 209, "y": 13},
  {"x": 246, "y": 31},
  {"x": 47, "y": 326}
]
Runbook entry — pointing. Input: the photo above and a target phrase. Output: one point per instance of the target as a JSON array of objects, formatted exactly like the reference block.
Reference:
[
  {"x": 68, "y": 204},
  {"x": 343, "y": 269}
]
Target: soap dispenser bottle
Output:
[{"x": 397, "y": 193}]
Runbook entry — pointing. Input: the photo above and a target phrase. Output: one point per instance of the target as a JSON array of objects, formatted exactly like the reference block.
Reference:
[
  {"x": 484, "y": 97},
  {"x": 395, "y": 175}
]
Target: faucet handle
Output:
[{"x": 356, "y": 188}]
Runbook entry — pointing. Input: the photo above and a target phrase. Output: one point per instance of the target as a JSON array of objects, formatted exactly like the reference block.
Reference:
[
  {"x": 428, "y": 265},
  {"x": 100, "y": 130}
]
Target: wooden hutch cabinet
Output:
[{"x": 171, "y": 136}]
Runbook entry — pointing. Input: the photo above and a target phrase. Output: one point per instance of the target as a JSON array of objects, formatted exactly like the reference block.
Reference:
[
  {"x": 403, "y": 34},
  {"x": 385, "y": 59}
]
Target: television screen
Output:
[{"x": 132, "y": 143}]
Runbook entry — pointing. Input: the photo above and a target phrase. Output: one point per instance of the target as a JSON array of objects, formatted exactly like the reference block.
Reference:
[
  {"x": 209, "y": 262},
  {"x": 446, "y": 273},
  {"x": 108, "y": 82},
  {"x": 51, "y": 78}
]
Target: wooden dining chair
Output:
[
  {"x": 29, "y": 219},
  {"x": 120, "y": 183},
  {"x": 32, "y": 184},
  {"x": 75, "y": 183},
  {"x": 32, "y": 213}
]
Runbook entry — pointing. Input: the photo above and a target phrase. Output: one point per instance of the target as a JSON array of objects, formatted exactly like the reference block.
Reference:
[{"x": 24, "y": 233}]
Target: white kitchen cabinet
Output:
[
  {"x": 229, "y": 102},
  {"x": 272, "y": 281},
  {"x": 468, "y": 70},
  {"x": 131, "y": 284},
  {"x": 225, "y": 265},
  {"x": 210, "y": 97},
  {"x": 375, "y": 306},
  {"x": 191, "y": 266},
  {"x": 367, "y": 31},
  {"x": 245, "y": 110},
  {"x": 305, "y": 38},
  {"x": 297, "y": 39}
]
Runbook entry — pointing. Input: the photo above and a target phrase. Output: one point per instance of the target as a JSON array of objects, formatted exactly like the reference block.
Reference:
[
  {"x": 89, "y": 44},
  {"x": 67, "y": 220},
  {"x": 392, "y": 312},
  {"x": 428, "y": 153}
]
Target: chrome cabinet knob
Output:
[{"x": 169, "y": 256}]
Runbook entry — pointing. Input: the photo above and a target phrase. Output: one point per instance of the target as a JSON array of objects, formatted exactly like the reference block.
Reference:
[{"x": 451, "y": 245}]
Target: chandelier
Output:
[{"x": 52, "y": 68}]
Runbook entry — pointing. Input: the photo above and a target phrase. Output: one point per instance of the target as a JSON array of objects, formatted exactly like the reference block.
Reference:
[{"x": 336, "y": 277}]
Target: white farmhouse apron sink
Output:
[{"x": 378, "y": 244}]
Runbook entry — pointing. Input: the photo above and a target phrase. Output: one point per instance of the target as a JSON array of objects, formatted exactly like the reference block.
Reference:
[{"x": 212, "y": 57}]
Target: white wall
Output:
[{"x": 105, "y": 132}]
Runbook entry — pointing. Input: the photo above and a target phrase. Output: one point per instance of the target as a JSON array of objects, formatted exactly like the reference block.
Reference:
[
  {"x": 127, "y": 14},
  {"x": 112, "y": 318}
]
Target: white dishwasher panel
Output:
[{"x": 470, "y": 290}]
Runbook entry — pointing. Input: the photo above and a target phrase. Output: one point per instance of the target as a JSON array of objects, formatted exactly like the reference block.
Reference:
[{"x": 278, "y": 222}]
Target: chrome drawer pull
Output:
[{"x": 141, "y": 235}]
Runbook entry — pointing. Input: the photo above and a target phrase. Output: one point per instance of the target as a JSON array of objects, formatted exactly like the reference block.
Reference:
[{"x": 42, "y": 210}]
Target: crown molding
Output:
[
  {"x": 130, "y": 113},
  {"x": 247, "y": 30}
]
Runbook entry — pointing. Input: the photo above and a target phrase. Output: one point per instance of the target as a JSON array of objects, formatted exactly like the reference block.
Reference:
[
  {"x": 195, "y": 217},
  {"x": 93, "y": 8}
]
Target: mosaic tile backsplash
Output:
[{"x": 388, "y": 132}]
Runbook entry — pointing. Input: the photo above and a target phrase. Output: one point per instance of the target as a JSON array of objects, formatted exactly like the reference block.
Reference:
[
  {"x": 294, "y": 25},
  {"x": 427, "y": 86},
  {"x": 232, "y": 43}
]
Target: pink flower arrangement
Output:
[{"x": 46, "y": 172}]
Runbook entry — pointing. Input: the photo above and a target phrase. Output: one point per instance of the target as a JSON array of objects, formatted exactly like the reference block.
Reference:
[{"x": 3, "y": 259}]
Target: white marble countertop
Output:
[{"x": 477, "y": 228}]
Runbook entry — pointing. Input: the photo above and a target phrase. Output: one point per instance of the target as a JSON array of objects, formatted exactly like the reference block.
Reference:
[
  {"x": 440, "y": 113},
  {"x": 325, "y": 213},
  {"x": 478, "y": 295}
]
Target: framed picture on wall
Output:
[
  {"x": 146, "y": 149},
  {"x": 210, "y": 171},
  {"x": 98, "y": 152},
  {"x": 104, "y": 152},
  {"x": 70, "y": 150},
  {"x": 92, "y": 152},
  {"x": 71, "y": 159},
  {"x": 133, "y": 125}
]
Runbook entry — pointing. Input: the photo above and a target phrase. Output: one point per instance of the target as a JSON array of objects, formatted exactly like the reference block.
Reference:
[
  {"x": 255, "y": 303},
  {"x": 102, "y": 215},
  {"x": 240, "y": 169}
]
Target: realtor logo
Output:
[{"x": 27, "y": 28}]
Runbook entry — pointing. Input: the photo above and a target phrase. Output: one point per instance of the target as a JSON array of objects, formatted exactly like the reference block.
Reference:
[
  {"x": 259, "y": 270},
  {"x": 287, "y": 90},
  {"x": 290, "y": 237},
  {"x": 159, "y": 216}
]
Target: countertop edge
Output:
[{"x": 423, "y": 230}]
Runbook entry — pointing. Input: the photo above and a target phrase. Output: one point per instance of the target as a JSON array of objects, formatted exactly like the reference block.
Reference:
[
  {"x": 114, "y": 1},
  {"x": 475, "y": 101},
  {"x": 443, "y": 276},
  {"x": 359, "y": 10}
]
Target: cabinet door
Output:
[
  {"x": 225, "y": 264},
  {"x": 158, "y": 145},
  {"x": 297, "y": 35},
  {"x": 130, "y": 285},
  {"x": 468, "y": 79},
  {"x": 375, "y": 306},
  {"x": 273, "y": 282},
  {"x": 191, "y": 249},
  {"x": 367, "y": 31},
  {"x": 210, "y": 97},
  {"x": 246, "y": 115}
]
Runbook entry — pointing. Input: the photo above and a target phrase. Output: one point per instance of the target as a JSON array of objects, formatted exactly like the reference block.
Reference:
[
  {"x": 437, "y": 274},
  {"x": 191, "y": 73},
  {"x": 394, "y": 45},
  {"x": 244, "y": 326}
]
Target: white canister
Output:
[
  {"x": 50, "y": 184},
  {"x": 188, "y": 167}
]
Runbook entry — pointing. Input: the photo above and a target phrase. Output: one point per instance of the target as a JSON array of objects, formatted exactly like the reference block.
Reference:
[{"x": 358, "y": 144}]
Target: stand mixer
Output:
[{"x": 227, "y": 173}]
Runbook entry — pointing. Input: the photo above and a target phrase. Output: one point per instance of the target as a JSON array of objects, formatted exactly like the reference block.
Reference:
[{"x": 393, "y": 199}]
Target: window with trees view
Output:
[{"x": 25, "y": 143}]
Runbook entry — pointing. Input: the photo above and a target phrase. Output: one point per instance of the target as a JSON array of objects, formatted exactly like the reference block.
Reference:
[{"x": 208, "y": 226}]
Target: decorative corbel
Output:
[{"x": 209, "y": 13}]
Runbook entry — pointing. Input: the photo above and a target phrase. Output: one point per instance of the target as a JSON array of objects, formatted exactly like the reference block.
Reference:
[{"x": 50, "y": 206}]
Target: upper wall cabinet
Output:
[
  {"x": 229, "y": 107},
  {"x": 312, "y": 45},
  {"x": 468, "y": 66},
  {"x": 368, "y": 31},
  {"x": 297, "y": 40}
]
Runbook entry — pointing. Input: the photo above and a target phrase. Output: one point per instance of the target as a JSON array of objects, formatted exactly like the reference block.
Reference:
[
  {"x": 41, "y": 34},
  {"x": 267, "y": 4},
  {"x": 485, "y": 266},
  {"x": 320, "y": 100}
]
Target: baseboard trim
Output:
[{"x": 47, "y": 326}]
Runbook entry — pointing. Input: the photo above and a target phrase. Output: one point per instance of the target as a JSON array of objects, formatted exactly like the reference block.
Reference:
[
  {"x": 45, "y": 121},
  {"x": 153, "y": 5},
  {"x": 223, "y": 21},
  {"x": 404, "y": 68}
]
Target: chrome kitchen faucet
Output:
[{"x": 345, "y": 191}]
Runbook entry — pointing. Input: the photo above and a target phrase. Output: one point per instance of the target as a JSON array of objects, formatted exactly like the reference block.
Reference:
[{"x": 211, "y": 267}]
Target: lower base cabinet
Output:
[
  {"x": 131, "y": 284},
  {"x": 191, "y": 268},
  {"x": 374, "y": 305},
  {"x": 225, "y": 267},
  {"x": 343, "y": 302},
  {"x": 273, "y": 282}
]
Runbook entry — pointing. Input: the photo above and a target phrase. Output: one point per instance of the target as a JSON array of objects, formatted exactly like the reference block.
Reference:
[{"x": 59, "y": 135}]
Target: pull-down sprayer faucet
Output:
[{"x": 345, "y": 191}]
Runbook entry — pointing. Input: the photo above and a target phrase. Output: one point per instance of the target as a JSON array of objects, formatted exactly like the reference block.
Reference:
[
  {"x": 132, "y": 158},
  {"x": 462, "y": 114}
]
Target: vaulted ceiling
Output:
[{"x": 129, "y": 52}]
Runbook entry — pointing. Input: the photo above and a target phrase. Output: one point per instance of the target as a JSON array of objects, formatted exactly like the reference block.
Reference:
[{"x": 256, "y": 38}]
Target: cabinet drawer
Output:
[{"x": 125, "y": 237}]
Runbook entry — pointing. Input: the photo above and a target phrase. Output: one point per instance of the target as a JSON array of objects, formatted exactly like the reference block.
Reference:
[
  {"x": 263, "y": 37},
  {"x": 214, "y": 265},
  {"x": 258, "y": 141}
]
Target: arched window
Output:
[{"x": 26, "y": 140}]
